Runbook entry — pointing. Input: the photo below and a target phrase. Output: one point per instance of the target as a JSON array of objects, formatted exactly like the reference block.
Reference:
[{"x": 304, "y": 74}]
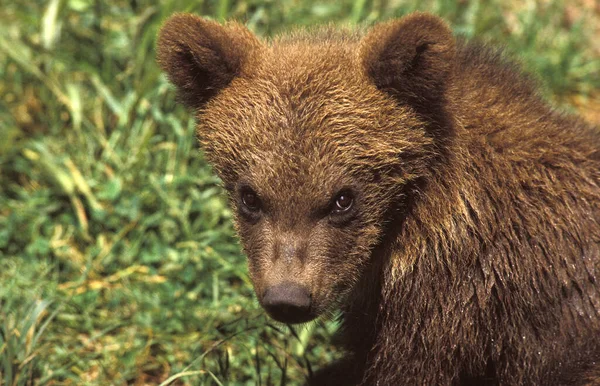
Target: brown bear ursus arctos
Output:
[{"x": 416, "y": 182}]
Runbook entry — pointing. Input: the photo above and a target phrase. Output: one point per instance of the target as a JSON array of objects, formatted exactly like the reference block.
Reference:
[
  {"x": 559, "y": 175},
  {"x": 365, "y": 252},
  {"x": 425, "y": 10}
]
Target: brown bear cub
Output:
[{"x": 416, "y": 183}]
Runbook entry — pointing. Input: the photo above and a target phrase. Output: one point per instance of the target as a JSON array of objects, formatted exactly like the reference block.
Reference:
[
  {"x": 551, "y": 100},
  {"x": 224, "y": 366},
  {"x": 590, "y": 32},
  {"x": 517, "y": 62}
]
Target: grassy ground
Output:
[{"x": 118, "y": 262}]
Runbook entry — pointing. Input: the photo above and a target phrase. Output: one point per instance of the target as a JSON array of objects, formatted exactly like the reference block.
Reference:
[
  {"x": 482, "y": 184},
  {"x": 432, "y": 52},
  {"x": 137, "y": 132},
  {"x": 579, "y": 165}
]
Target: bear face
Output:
[{"x": 316, "y": 140}]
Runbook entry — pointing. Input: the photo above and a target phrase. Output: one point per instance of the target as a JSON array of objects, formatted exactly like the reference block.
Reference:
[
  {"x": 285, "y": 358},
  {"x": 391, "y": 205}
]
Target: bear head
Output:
[{"x": 319, "y": 138}]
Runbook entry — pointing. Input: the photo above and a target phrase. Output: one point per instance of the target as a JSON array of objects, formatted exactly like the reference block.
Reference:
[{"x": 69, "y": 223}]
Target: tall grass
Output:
[{"x": 118, "y": 261}]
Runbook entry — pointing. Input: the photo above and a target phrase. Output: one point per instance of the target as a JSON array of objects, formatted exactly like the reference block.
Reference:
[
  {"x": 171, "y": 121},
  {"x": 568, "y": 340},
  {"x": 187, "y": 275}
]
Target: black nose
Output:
[{"x": 288, "y": 303}]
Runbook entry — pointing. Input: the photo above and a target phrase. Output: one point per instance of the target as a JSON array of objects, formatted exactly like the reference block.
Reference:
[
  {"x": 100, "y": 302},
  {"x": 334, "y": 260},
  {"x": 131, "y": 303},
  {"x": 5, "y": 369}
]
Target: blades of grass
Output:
[
  {"x": 9, "y": 133},
  {"x": 257, "y": 362},
  {"x": 46, "y": 323},
  {"x": 120, "y": 108},
  {"x": 82, "y": 186},
  {"x": 182, "y": 374},
  {"x": 18, "y": 339},
  {"x": 215, "y": 291},
  {"x": 219, "y": 343},
  {"x": 186, "y": 372},
  {"x": 7, "y": 349},
  {"x": 222, "y": 9},
  {"x": 34, "y": 315},
  {"x": 41, "y": 156},
  {"x": 76, "y": 108},
  {"x": 304, "y": 338},
  {"x": 471, "y": 17},
  {"x": 214, "y": 377},
  {"x": 21, "y": 54},
  {"x": 51, "y": 24},
  {"x": 358, "y": 8},
  {"x": 284, "y": 369}
]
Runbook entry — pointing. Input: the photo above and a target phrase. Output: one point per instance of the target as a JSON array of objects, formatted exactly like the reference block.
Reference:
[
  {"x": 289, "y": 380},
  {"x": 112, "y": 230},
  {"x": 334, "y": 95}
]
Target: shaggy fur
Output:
[{"x": 471, "y": 251}]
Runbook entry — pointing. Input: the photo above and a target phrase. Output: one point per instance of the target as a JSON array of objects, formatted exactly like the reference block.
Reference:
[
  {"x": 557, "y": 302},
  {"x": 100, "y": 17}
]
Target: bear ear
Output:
[
  {"x": 411, "y": 58},
  {"x": 201, "y": 57}
]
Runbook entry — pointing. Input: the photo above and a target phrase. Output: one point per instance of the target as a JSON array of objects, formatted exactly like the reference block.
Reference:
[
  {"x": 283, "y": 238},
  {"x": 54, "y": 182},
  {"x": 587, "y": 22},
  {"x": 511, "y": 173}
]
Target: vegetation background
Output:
[{"x": 118, "y": 261}]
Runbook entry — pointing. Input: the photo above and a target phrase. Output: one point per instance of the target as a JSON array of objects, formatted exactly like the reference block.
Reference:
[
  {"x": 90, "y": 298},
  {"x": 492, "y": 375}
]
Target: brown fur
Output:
[{"x": 471, "y": 252}]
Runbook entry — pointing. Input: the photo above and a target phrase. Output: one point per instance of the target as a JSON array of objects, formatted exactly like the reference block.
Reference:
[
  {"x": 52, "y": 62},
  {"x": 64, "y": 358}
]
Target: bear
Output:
[{"x": 413, "y": 182}]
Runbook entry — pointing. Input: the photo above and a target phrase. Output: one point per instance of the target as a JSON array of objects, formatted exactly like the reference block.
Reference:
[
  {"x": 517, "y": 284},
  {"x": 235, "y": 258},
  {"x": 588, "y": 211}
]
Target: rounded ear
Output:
[
  {"x": 411, "y": 58},
  {"x": 200, "y": 57}
]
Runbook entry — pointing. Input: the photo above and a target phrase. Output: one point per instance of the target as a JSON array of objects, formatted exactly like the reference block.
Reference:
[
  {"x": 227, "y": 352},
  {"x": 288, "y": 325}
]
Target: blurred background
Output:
[{"x": 118, "y": 261}]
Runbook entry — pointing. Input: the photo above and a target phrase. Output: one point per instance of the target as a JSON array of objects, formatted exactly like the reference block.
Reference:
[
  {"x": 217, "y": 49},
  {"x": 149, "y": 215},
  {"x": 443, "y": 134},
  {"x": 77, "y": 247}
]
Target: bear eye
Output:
[
  {"x": 250, "y": 200},
  {"x": 343, "y": 202}
]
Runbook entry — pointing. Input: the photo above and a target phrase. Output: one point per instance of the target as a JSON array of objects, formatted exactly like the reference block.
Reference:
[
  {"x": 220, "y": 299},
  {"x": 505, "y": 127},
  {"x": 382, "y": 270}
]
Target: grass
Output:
[{"x": 118, "y": 260}]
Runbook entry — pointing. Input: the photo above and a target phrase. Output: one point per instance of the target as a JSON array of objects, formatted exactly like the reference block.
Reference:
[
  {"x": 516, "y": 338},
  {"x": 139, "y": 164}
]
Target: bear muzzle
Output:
[{"x": 288, "y": 302}]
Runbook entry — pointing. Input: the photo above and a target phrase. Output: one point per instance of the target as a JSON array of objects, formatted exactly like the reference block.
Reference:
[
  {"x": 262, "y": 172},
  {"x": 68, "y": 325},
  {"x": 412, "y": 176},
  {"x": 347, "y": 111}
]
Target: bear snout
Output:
[{"x": 288, "y": 302}]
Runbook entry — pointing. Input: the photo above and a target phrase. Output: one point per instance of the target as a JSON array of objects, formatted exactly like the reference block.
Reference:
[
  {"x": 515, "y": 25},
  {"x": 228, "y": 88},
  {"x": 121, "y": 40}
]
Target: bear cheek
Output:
[{"x": 333, "y": 256}]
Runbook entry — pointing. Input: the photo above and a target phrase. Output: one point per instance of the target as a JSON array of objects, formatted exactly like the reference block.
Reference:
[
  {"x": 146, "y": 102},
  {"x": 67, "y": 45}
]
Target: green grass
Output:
[{"x": 118, "y": 260}]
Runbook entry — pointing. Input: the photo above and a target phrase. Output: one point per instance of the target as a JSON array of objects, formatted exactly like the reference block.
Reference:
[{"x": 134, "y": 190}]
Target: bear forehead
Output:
[
  {"x": 299, "y": 98},
  {"x": 303, "y": 111},
  {"x": 279, "y": 129},
  {"x": 333, "y": 62}
]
